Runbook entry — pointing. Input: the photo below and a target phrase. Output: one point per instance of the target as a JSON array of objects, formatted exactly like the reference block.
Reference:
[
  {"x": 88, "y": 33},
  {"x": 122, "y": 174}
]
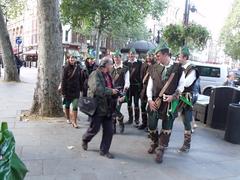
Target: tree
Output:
[
  {"x": 9, "y": 9},
  {"x": 129, "y": 33},
  {"x": 104, "y": 15},
  {"x": 230, "y": 35},
  {"x": 47, "y": 101},
  {"x": 194, "y": 36}
]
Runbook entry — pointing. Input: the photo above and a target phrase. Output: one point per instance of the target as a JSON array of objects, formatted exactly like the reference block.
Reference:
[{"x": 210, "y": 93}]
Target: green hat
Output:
[
  {"x": 185, "y": 51},
  {"x": 151, "y": 52},
  {"x": 132, "y": 50},
  {"x": 162, "y": 46},
  {"x": 74, "y": 54},
  {"x": 117, "y": 53}
]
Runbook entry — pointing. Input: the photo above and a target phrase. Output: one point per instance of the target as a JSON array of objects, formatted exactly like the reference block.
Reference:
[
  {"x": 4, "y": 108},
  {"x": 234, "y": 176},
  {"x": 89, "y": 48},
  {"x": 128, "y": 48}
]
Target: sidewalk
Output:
[{"x": 44, "y": 147}]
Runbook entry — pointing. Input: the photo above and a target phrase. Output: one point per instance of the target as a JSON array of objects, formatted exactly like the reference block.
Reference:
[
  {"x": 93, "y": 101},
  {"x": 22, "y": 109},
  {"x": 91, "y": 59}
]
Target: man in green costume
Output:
[
  {"x": 160, "y": 74},
  {"x": 121, "y": 81},
  {"x": 134, "y": 66}
]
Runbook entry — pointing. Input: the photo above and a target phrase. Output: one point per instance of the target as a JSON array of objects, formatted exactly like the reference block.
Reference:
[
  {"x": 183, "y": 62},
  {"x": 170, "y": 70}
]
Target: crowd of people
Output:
[{"x": 154, "y": 89}]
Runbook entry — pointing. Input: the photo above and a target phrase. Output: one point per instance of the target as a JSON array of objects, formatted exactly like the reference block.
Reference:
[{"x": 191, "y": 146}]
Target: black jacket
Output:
[{"x": 71, "y": 86}]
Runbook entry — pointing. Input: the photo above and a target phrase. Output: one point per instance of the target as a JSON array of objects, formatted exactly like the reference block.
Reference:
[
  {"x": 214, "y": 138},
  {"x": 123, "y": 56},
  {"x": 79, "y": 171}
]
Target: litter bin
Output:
[
  {"x": 232, "y": 133},
  {"x": 219, "y": 102}
]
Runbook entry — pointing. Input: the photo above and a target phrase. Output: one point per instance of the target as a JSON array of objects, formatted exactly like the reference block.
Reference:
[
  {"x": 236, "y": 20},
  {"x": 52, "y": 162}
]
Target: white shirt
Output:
[
  {"x": 180, "y": 87},
  {"x": 191, "y": 77},
  {"x": 135, "y": 60},
  {"x": 127, "y": 75}
]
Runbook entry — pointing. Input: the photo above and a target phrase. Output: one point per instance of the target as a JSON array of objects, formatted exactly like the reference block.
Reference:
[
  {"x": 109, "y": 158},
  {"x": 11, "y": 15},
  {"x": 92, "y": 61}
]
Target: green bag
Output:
[{"x": 11, "y": 167}]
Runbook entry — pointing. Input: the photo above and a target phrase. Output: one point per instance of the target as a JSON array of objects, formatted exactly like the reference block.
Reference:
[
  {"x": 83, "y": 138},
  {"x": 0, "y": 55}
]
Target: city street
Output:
[{"x": 51, "y": 149}]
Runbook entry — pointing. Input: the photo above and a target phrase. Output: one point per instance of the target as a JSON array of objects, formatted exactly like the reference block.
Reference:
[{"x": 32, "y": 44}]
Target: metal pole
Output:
[
  {"x": 186, "y": 14},
  {"x": 18, "y": 51}
]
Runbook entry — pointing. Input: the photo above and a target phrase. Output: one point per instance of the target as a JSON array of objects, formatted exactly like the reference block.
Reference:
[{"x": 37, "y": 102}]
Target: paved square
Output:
[{"x": 44, "y": 147}]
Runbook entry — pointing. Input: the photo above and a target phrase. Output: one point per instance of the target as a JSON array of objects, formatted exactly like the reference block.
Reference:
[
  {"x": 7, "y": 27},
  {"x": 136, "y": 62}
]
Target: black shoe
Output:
[
  {"x": 136, "y": 126},
  {"x": 129, "y": 122},
  {"x": 107, "y": 155},
  {"x": 142, "y": 127},
  {"x": 84, "y": 145},
  {"x": 146, "y": 130}
]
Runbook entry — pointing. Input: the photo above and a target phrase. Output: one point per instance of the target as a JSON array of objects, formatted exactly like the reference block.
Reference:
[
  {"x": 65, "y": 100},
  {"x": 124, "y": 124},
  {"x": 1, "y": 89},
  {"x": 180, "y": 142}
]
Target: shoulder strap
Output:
[
  {"x": 165, "y": 87},
  {"x": 73, "y": 73}
]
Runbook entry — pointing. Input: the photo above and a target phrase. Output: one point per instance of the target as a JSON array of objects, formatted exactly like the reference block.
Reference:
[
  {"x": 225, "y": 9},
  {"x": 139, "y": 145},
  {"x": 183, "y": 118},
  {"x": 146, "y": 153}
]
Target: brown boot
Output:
[
  {"x": 130, "y": 115},
  {"x": 74, "y": 119},
  {"x": 166, "y": 140},
  {"x": 137, "y": 115},
  {"x": 154, "y": 138},
  {"x": 187, "y": 142},
  {"x": 163, "y": 140}
]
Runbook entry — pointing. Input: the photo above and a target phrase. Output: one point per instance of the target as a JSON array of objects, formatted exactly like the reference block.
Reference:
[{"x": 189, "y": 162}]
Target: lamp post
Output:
[
  {"x": 188, "y": 8},
  {"x": 158, "y": 37}
]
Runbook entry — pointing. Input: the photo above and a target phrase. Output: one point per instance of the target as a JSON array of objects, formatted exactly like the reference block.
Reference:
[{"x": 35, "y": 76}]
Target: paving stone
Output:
[
  {"x": 43, "y": 146},
  {"x": 35, "y": 167}
]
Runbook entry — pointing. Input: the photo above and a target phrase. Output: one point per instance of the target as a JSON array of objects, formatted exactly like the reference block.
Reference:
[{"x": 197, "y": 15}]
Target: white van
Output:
[{"x": 211, "y": 75}]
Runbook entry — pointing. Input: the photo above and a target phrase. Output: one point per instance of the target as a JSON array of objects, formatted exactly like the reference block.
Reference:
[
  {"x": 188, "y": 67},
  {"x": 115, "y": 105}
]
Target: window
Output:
[
  {"x": 209, "y": 71},
  {"x": 66, "y": 36},
  {"x": 21, "y": 30},
  {"x": 17, "y": 31}
]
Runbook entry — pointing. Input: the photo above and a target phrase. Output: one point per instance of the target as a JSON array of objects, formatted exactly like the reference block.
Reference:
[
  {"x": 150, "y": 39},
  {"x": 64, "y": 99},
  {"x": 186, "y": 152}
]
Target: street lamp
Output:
[
  {"x": 158, "y": 37},
  {"x": 188, "y": 8}
]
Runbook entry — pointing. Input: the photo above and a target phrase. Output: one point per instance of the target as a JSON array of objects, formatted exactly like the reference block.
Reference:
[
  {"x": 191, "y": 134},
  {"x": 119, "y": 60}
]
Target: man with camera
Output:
[{"x": 101, "y": 88}]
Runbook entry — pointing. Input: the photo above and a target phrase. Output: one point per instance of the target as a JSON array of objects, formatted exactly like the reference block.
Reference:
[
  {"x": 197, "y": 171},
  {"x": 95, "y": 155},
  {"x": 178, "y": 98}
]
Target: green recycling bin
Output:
[{"x": 11, "y": 167}]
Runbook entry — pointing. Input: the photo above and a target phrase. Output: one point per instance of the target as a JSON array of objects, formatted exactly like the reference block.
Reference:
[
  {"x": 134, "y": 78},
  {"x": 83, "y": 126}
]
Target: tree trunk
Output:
[
  {"x": 10, "y": 68},
  {"x": 99, "y": 34},
  {"x": 47, "y": 100}
]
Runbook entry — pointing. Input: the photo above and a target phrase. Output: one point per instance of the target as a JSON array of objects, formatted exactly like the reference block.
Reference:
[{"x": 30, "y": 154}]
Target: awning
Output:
[{"x": 30, "y": 52}]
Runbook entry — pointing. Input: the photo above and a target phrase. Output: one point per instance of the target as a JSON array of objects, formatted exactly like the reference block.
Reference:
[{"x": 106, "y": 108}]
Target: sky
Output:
[{"x": 210, "y": 13}]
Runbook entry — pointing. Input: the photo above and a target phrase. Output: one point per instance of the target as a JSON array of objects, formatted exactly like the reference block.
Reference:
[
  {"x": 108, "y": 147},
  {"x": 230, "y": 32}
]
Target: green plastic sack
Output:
[{"x": 11, "y": 167}]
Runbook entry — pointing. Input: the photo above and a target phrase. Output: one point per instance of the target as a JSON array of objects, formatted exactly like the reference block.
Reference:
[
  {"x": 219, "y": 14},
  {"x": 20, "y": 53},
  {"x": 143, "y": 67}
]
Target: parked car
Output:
[{"x": 211, "y": 75}]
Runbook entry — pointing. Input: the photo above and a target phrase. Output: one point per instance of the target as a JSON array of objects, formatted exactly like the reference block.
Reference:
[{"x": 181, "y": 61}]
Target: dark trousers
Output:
[
  {"x": 167, "y": 121},
  {"x": 134, "y": 92},
  {"x": 94, "y": 128},
  {"x": 187, "y": 119},
  {"x": 144, "y": 111}
]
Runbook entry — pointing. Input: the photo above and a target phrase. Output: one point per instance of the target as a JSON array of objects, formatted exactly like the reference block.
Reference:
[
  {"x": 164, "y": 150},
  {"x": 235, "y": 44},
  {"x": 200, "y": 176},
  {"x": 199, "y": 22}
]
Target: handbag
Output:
[{"x": 87, "y": 105}]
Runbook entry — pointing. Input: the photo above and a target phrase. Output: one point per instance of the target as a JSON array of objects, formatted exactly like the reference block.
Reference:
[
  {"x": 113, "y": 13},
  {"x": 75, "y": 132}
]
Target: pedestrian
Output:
[
  {"x": 121, "y": 81},
  {"x": 90, "y": 64},
  {"x": 71, "y": 86},
  {"x": 145, "y": 77},
  {"x": 196, "y": 92},
  {"x": 19, "y": 63},
  {"x": 230, "y": 80},
  {"x": 191, "y": 77},
  {"x": 101, "y": 88},
  {"x": 165, "y": 84},
  {"x": 134, "y": 66}
]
